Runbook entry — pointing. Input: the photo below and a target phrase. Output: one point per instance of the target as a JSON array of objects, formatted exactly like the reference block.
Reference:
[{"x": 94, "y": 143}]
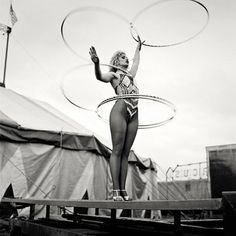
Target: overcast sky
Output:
[{"x": 198, "y": 76}]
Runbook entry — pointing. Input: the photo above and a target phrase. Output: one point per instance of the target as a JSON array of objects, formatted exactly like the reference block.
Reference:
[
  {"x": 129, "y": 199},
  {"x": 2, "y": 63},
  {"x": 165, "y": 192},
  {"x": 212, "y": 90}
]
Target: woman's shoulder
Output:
[{"x": 114, "y": 75}]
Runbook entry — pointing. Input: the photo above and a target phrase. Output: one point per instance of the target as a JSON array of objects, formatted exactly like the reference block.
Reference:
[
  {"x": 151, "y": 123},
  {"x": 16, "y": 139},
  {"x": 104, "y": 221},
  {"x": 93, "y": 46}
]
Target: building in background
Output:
[
  {"x": 222, "y": 168},
  {"x": 184, "y": 182}
]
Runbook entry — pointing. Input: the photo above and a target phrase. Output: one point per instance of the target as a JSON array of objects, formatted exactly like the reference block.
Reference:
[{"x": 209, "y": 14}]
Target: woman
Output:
[{"x": 124, "y": 115}]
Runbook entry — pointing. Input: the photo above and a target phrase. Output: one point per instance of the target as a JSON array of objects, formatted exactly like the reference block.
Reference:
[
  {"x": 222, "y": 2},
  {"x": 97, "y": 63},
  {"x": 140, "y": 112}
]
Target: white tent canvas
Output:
[{"x": 45, "y": 154}]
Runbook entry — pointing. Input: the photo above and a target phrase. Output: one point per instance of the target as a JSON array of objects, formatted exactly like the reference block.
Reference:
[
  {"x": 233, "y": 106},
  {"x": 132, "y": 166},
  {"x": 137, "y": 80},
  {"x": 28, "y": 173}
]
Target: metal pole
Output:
[
  {"x": 8, "y": 31},
  {"x": 167, "y": 187}
]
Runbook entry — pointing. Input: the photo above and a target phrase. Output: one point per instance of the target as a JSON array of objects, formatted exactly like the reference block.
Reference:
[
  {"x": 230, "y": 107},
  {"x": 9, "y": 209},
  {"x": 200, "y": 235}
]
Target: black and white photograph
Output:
[{"x": 117, "y": 117}]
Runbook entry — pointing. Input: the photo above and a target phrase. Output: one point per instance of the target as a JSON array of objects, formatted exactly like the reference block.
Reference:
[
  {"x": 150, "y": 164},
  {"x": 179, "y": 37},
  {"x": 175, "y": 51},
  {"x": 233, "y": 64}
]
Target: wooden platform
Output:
[
  {"x": 225, "y": 204},
  {"x": 207, "y": 204}
]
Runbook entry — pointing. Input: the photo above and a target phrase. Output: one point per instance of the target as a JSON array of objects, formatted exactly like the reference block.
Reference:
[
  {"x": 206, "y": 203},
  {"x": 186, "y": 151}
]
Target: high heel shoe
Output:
[
  {"x": 116, "y": 195},
  {"x": 124, "y": 195}
]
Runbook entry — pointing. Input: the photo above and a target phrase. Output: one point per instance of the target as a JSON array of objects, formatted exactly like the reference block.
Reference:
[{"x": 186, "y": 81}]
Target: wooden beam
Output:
[{"x": 205, "y": 204}]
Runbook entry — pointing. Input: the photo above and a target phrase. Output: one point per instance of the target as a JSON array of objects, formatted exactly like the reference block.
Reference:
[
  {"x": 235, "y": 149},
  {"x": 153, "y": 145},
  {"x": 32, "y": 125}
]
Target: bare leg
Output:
[
  {"x": 118, "y": 127},
  {"x": 131, "y": 132}
]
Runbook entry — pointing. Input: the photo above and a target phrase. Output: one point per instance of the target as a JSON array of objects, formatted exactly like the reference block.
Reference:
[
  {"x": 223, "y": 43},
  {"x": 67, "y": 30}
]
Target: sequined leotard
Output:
[{"x": 127, "y": 85}]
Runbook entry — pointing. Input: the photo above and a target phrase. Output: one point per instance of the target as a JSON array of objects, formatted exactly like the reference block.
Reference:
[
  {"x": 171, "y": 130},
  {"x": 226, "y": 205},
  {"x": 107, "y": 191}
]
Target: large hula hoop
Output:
[
  {"x": 171, "y": 44},
  {"x": 81, "y": 66},
  {"x": 142, "y": 96},
  {"x": 85, "y": 9}
]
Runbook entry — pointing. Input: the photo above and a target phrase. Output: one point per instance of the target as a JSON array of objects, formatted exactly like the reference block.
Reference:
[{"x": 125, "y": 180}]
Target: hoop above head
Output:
[
  {"x": 141, "y": 96},
  {"x": 134, "y": 28},
  {"x": 89, "y": 10}
]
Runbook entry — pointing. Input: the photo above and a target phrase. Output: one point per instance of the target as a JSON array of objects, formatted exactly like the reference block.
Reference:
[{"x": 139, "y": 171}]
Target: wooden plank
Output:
[
  {"x": 120, "y": 226},
  {"x": 37, "y": 229},
  {"x": 205, "y": 204}
]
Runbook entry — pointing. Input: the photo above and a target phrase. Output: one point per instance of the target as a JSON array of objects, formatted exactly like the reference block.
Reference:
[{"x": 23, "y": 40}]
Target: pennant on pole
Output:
[{"x": 13, "y": 15}]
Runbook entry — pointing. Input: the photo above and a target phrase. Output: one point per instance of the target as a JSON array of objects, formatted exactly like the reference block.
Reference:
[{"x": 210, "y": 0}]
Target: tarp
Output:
[{"x": 45, "y": 154}]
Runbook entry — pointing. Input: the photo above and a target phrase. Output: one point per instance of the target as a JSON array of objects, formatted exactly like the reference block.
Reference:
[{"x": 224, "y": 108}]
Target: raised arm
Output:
[
  {"x": 106, "y": 77},
  {"x": 136, "y": 59}
]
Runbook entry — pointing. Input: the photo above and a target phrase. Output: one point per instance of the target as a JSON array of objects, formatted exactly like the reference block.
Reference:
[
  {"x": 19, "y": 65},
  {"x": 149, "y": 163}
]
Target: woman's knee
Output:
[
  {"x": 117, "y": 150},
  {"x": 125, "y": 154}
]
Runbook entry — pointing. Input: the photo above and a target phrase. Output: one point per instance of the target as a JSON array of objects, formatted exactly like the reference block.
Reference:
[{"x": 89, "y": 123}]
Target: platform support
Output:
[{"x": 229, "y": 213}]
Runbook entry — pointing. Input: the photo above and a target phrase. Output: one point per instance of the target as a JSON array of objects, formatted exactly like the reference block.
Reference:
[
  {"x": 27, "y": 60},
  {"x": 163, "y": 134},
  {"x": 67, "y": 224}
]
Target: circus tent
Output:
[{"x": 45, "y": 154}]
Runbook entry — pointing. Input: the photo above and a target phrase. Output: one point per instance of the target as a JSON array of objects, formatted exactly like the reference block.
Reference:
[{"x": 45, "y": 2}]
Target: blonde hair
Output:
[{"x": 115, "y": 60}]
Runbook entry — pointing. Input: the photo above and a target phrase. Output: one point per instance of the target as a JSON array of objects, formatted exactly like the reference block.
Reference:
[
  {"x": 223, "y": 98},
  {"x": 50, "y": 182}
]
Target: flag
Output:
[{"x": 13, "y": 16}]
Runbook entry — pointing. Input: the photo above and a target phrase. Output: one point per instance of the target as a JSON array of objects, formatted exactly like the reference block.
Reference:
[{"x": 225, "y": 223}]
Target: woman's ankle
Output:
[
  {"x": 123, "y": 192},
  {"x": 125, "y": 195},
  {"x": 116, "y": 195}
]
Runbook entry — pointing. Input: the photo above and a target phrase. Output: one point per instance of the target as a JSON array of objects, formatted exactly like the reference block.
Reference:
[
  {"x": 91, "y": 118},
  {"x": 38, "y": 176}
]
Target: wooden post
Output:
[
  {"x": 177, "y": 223},
  {"x": 96, "y": 211},
  {"x": 113, "y": 214},
  {"x": 75, "y": 212},
  {"x": 32, "y": 211},
  {"x": 47, "y": 211},
  {"x": 229, "y": 213}
]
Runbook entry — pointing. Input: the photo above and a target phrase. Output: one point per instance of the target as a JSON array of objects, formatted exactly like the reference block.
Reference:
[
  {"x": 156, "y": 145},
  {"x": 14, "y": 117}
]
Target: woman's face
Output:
[{"x": 123, "y": 61}]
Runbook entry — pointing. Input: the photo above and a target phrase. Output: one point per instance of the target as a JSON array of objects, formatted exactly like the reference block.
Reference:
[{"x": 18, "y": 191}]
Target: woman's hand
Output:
[
  {"x": 93, "y": 55},
  {"x": 140, "y": 43}
]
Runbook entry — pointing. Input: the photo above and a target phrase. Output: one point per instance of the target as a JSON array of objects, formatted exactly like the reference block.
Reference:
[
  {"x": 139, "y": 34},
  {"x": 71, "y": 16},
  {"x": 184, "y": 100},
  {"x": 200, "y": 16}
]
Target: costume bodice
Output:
[{"x": 126, "y": 85}]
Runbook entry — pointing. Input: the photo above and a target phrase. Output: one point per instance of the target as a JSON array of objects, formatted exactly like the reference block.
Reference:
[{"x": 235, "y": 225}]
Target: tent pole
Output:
[{"x": 8, "y": 31}]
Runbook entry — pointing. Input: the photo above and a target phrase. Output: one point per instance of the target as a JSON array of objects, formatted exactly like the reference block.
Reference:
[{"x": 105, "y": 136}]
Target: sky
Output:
[{"x": 197, "y": 76}]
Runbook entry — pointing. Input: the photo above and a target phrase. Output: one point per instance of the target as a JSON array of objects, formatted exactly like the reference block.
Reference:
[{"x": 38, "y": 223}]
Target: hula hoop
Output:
[
  {"x": 78, "y": 67},
  {"x": 85, "y": 9},
  {"x": 171, "y": 44},
  {"x": 70, "y": 100},
  {"x": 148, "y": 97}
]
